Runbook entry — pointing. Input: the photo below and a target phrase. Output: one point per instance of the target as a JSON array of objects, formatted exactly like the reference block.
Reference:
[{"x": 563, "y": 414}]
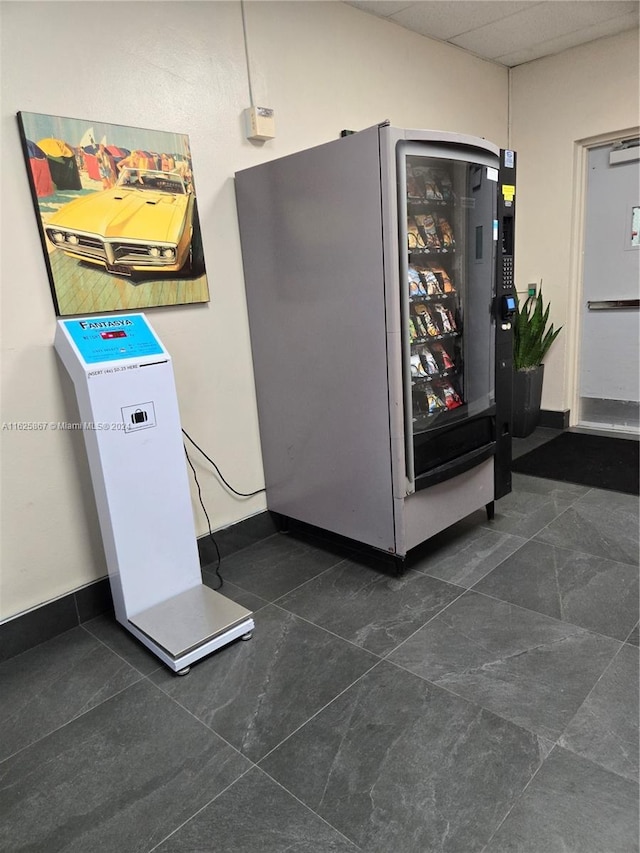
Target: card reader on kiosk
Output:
[{"x": 126, "y": 395}]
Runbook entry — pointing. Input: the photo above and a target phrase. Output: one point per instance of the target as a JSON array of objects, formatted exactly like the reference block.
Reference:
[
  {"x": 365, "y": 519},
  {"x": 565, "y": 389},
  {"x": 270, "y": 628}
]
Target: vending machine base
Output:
[{"x": 127, "y": 403}]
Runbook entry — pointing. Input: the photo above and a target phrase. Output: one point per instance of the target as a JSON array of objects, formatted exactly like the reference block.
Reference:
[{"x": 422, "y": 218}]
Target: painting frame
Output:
[{"x": 118, "y": 218}]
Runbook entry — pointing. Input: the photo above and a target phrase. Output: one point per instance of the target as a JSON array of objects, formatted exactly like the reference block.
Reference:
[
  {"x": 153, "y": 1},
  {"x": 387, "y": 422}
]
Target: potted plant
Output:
[{"x": 531, "y": 341}]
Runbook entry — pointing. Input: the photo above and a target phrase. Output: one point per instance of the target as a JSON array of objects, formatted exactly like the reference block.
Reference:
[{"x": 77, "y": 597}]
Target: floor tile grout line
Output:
[
  {"x": 293, "y": 589},
  {"x": 42, "y": 642},
  {"x": 117, "y": 653},
  {"x": 433, "y": 685},
  {"x": 488, "y": 572},
  {"x": 376, "y": 574},
  {"x": 539, "y": 612},
  {"x": 533, "y": 538},
  {"x": 197, "y": 719},
  {"x": 554, "y": 740},
  {"x": 447, "y": 689},
  {"x": 308, "y": 581},
  {"x": 326, "y": 630},
  {"x": 81, "y": 713},
  {"x": 76, "y": 606},
  {"x": 463, "y": 591},
  {"x": 235, "y": 782},
  {"x": 201, "y": 809},
  {"x": 558, "y": 485},
  {"x": 487, "y": 526},
  {"x": 304, "y": 723},
  {"x": 600, "y": 677},
  {"x": 452, "y": 583},
  {"x": 73, "y": 719},
  {"x": 547, "y": 616},
  {"x": 634, "y": 645},
  {"x": 519, "y": 798},
  {"x": 308, "y": 807},
  {"x": 315, "y": 714},
  {"x": 517, "y": 654},
  {"x": 162, "y": 668},
  {"x": 575, "y": 550},
  {"x": 258, "y": 542},
  {"x": 621, "y": 643}
]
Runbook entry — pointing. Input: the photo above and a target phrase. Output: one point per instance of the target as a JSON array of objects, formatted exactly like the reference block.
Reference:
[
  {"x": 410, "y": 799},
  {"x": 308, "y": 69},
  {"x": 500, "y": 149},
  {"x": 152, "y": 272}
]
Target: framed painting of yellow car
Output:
[{"x": 117, "y": 212}]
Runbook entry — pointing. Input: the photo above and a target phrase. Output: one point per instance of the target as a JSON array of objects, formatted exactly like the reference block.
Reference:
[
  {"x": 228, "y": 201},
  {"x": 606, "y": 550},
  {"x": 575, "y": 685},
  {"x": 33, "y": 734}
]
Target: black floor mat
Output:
[{"x": 589, "y": 460}]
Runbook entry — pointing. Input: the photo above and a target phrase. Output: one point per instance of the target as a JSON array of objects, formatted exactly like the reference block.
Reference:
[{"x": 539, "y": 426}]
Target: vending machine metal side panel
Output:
[{"x": 312, "y": 245}]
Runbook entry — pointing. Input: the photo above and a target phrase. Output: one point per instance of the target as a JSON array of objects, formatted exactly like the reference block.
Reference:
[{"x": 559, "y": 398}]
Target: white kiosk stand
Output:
[{"x": 125, "y": 388}]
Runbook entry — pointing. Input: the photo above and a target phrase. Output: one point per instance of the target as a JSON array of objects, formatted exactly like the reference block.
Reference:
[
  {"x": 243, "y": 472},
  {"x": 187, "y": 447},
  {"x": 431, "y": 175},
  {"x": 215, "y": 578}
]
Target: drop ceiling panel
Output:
[
  {"x": 443, "y": 20},
  {"x": 557, "y": 45},
  {"x": 509, "y": 31},
  {"x": 547, "y": 20},
  {"x": 381, "y": 8}
]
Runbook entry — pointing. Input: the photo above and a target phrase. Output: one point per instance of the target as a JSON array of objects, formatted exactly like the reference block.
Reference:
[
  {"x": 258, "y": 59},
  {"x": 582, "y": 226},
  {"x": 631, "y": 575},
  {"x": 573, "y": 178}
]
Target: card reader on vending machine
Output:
[
  {"x": 508, "y": 307},
  {"x": 125, "y": 388}
]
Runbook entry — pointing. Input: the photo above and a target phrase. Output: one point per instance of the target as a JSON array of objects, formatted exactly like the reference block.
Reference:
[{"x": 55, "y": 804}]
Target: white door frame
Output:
[{"x": 576, "y": 262}]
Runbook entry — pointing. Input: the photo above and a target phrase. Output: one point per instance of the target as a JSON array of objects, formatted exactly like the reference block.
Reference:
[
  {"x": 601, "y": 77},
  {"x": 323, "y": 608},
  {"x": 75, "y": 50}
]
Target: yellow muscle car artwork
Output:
[{"x": 147, "y": 223}]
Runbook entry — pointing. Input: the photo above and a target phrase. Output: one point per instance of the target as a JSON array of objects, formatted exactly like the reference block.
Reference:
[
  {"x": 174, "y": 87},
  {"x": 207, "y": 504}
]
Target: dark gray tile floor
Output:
[{"x": 485, "y": 701}]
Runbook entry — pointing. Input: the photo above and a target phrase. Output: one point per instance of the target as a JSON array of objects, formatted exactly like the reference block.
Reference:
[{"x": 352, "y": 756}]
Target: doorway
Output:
[{"x": 608, "y": 374}]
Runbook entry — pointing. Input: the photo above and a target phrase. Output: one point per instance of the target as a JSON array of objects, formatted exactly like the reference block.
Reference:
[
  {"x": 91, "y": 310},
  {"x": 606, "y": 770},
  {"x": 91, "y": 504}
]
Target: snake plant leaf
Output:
[{"x": 532, "y": 339}]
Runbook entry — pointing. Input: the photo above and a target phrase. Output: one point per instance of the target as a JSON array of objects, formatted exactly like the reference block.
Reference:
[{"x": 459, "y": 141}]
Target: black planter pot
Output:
[{"x": 527, "y": 395}]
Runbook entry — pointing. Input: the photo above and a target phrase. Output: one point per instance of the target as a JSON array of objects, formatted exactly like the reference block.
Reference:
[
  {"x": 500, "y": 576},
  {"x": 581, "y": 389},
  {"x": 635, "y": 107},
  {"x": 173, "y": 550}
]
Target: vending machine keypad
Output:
[{"x": 507, "y": 273}]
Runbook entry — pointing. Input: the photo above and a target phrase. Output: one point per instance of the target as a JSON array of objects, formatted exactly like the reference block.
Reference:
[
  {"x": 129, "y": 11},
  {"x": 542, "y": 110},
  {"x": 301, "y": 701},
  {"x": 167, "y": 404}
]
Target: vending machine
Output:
[{"x": 379, "y": 282}]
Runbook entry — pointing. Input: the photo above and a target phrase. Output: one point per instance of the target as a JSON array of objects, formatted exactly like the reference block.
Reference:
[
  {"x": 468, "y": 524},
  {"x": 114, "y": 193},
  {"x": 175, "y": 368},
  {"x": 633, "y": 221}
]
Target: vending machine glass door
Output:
[{"x": 448, "y": 203}]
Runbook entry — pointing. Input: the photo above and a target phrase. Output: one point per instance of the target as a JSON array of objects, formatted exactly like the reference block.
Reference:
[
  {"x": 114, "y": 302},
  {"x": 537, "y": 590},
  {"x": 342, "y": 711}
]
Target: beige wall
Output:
[
  {"x": 580, "y": 94},
  {"x": 181, "y": 66}
]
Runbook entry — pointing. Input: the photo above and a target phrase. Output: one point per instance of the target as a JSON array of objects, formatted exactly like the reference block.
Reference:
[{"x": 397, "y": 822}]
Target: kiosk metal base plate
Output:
[{"x": 190, "y": 619}]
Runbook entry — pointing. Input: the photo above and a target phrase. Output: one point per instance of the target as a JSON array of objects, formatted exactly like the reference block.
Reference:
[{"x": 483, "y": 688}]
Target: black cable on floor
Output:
[{"x": 206, "y": 515}]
